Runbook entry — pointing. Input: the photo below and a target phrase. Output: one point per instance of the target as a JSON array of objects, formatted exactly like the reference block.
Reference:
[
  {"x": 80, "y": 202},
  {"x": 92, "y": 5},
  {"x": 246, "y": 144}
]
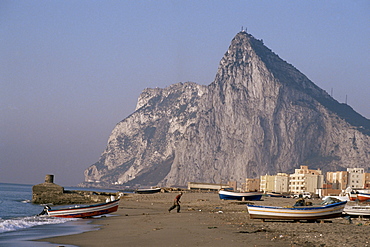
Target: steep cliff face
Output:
[{"x": 259, "y": 116}]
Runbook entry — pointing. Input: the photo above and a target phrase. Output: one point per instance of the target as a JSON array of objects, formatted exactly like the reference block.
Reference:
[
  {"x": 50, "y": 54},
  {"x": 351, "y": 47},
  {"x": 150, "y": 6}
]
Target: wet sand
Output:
[{"x": 205, "y": 220}]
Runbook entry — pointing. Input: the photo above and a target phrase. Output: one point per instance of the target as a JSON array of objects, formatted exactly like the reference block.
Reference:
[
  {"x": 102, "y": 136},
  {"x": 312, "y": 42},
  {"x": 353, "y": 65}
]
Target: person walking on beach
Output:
[{"x": 176, "y": 203}]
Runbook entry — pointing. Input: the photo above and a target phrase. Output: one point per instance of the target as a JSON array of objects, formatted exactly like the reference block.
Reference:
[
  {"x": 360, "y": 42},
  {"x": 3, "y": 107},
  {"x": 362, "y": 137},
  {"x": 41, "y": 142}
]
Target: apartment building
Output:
[
  {"x": 251, "y": 184},
  {"x": 338, "y": 180},
  {"x": 305, "y": 180},
  {"x": 356, "y": 178},
  {"x": 367, "y": 181},
  {"x": 275, "y": 183},
  {"x": 267, "y": 183}
]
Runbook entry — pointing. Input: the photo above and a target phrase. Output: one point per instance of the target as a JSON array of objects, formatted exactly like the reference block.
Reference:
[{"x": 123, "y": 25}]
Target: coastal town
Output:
[{"x": 303, "y": 180}]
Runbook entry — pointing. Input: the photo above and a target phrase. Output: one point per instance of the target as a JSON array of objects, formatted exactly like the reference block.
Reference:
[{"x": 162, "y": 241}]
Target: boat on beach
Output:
[
  {"x": 352, "y": 197},
  {"x": 362, "y": 197},
  {"x": 275, "y": 194},
  {"x": 83, "y": 211},
  {"x": 297, "y": 213},
  {"x": 357, "y": 210},
  {"x": 341, "y": 198},
  {"x": 357, "y": 195},
  {"x": 239, "y": 196},
  {"x": 148, "y": 191}
]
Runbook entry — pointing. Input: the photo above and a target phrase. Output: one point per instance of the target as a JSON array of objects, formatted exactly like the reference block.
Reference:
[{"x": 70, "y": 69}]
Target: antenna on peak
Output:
[{"x": 243, "y": 29}]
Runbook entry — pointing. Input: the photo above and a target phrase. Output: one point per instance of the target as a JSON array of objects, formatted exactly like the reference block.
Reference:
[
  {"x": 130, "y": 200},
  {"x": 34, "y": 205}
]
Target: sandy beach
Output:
[{"x": 205, "y": 220}]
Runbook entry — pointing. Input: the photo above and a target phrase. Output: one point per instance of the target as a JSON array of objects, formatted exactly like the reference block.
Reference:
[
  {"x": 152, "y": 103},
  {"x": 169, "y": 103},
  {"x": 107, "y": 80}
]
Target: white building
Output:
[
  {"x": 281, "y": 183},
  {"x": 266, "y": 183},
  {"x": 305, "y": 180},
  {"x": 275, "y": 183},
  {"x": 356, "y": 178}
]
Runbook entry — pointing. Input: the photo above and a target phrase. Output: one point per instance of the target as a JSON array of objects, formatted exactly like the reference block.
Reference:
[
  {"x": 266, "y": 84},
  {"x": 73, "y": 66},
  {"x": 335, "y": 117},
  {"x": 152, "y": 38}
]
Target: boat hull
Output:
[
  {"x": 239, "y": 196},
  {"x": 341, "y": 198},
  {"x": 363, "y": 197},
  {"x": 276, "y": 195},
  {"x": 357, "y": 211},
  {"x": 353, "y": 197},
  {"x": 296, "y": 213},
  {"x": 87, "y": 211},
  {"x": 148, "y": 191}
]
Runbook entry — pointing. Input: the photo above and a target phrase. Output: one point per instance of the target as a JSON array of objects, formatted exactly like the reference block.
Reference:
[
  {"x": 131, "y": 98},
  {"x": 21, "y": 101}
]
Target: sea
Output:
[{"x": 19, "y": 223}]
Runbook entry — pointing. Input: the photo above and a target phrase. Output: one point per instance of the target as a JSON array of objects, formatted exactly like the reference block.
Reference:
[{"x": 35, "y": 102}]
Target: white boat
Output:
[
  {"x": 358, "y": 195},
  {"x": 357, "y": 210},
  {"x": 341, "y": 198},
  {"x": 83, "y": 211},
  {"x": 239, "y": 196},
  {"x": 297, "y": 213}
]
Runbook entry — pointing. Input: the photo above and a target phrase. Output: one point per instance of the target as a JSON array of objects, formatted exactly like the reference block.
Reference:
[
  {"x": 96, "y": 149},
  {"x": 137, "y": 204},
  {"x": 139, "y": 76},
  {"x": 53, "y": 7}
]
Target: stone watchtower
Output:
[{"x": 47, "y": 191}]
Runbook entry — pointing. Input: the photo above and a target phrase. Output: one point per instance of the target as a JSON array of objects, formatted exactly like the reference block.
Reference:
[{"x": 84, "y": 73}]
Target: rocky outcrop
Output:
[
  {"x": 259, "y": 116},
  {"x": 51, "y": 193}
]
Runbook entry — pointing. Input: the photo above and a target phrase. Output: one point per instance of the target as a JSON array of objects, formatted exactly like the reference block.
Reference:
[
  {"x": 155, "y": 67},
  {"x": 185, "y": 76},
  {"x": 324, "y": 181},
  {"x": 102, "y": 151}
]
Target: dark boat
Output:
[{"x": 148, "y": 191}]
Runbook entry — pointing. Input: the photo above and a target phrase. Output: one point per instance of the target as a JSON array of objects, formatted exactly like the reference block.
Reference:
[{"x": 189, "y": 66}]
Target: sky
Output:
[{"x": 71, "y": 70}]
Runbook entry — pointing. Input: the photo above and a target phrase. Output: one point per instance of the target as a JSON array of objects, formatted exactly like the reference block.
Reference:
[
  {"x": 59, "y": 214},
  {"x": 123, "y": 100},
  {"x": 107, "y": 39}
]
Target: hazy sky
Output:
[{"x": 71, "y": 70}]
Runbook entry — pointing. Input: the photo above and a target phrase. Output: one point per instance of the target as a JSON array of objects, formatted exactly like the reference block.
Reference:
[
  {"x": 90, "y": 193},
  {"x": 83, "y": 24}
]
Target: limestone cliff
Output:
[{"x": 259, "y": 116}]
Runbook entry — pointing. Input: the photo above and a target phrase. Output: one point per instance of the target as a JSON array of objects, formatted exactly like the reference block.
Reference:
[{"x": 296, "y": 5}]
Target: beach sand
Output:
[{"x": 205, "y": 220}]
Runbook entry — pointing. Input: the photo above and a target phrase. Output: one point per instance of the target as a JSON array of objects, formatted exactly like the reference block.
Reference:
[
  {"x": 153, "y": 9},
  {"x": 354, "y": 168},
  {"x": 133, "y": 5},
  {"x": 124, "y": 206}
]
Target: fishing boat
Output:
[
  {"x": 358, "y": 195},
  {"x": 83, "y": 211},
  {"x": 357, "y": 210},
  {"x": 148, "y": 191},
  {"x": 297, "y": 213},
  {"x": 275, "y": 194},
  {"x": 341, "y": 198},
  {"x": 363, "y": 196},
  {"x": 352, "y": 197},
  {"x": 240, "y": 196}
]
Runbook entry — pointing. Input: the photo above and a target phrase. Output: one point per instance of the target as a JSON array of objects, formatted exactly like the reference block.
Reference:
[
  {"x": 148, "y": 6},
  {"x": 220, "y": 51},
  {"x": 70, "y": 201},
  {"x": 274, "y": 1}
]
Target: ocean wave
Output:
[{"x": 27, "y": 222}]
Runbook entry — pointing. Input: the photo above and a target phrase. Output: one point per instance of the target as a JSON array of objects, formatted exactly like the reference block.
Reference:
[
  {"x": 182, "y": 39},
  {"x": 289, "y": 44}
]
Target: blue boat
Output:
[{"x": 239, "y": 196}]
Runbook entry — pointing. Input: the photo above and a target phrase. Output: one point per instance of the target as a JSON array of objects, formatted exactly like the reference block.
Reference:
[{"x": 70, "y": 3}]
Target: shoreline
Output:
[
  {"x": 205, "y": 220},
  {"x": 26, "y": 237}
]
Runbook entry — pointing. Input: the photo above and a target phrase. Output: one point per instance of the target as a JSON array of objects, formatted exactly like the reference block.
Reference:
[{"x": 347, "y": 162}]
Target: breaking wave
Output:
[{"x": 30, "y": 221}]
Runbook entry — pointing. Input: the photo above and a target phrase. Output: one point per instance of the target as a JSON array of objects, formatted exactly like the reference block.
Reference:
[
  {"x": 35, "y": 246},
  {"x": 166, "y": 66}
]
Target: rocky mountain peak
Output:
[
  {"x": 240, "y": 62},
  {"x": 254, "y": 66},
  {"x": 259, "y": 116},
  {"x": 239, "y": 52}
]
